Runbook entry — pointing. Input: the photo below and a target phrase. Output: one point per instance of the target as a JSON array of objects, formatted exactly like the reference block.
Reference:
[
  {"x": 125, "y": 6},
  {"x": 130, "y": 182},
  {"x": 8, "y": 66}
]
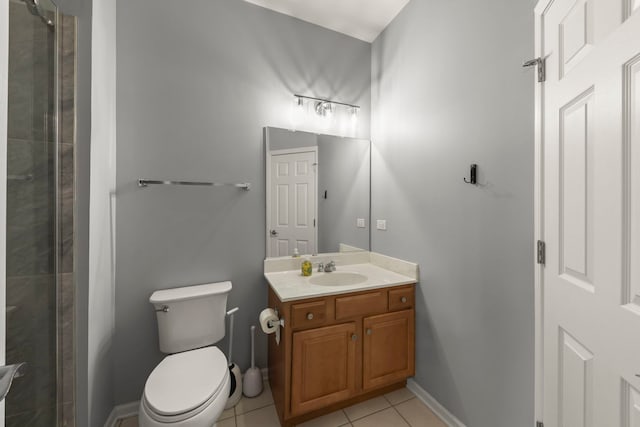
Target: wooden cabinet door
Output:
[
  {"x": 323, "y": 367},
  {"x": 388, "y": 349}
]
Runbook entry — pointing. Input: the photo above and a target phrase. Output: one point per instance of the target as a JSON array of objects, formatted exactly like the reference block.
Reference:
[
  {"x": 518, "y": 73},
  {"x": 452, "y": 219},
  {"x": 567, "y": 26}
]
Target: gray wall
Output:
[
  {"x": 196, "y": 83},
  {"x": 448, "y": 90}
]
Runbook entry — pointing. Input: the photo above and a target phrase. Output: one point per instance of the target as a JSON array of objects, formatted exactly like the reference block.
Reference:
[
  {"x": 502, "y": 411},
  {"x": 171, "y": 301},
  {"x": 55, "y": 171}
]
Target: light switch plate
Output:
[
  {"x": 381, "y": 224},
  {"x": 361, "y": 223}
]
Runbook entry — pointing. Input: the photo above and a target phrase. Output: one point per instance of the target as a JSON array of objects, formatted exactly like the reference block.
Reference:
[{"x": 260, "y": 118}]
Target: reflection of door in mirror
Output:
[
  {"x": 338, "y": 200},
  {"x": 293, "y": 189}
]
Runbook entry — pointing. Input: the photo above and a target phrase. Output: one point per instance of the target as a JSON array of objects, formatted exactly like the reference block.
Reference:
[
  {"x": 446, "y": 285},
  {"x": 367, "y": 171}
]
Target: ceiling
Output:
[{"x": 362, "y": 19}]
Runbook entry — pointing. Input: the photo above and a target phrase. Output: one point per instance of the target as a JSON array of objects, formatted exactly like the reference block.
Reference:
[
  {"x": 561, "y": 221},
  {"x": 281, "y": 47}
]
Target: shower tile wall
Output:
[
  {"x": 39, "y": 307},
  {"x": 66, "y": 221}
]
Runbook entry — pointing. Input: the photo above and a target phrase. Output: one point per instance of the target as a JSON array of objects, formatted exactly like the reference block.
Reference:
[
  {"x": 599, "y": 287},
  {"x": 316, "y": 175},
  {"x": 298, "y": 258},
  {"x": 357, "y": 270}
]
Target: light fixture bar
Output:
[{"x": 327, "y": 101}]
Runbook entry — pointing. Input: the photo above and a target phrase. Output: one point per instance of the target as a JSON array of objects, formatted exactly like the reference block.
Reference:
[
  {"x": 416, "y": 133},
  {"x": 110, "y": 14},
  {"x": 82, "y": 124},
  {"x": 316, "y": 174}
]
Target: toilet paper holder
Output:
[
  {"x": 272, "y": 322},
  {"x": 279, "y": 322}
]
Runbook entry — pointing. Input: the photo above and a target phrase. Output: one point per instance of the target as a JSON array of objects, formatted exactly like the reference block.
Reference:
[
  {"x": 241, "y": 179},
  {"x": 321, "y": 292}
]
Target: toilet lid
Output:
[{"x": 184, "y": 381}]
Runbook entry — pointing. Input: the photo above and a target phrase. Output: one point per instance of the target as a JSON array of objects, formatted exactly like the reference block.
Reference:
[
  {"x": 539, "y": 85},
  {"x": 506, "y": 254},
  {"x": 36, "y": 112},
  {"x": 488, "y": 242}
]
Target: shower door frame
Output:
[{"x": 4, "y": 99}]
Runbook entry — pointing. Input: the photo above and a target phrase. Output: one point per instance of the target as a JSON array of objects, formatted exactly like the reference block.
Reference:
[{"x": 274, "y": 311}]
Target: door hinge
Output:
[
  {"x": 539, "y": 424},
  {"x": 542, "y": 252},
  {"x": 541, "y": 63}
]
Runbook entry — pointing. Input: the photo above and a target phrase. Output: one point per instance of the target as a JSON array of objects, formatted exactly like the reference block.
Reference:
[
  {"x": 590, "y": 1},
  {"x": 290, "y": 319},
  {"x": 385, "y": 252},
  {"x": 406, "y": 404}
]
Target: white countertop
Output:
[{"x": 290, "y": 285}]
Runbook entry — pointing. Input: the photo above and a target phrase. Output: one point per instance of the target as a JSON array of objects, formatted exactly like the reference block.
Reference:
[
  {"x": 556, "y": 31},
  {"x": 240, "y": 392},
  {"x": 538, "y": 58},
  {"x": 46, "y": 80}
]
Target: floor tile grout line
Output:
[
  {"x": 404, "y": 401},
  {"x": 413, "y": 396},
  {"x": 254, "y": 409},
  {"x": 401, "y": 416},
  {"x": 365, "y": 416}
]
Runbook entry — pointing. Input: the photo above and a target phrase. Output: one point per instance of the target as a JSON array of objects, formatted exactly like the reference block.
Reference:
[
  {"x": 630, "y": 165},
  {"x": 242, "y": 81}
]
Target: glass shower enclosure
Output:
[{"x": 39, "y": 229}]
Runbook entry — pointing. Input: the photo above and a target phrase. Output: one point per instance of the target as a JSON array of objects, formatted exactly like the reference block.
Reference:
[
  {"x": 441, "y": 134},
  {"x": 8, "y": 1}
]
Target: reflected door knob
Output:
[{"x": 274, "y": 233}]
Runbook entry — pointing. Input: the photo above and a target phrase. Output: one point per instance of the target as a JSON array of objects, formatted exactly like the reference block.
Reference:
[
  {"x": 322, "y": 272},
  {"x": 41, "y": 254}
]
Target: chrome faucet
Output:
[{"x": 330, "y": 266}]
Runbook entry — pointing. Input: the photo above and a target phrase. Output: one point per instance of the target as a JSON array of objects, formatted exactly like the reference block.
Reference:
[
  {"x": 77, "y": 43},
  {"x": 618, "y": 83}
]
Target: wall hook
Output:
[{"x": 473, "y": 179}]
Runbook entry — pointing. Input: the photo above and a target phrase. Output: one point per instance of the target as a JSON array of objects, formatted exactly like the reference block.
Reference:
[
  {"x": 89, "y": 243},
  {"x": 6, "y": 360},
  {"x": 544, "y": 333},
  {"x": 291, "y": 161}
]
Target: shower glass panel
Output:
[{"x": 40, "y": 214}]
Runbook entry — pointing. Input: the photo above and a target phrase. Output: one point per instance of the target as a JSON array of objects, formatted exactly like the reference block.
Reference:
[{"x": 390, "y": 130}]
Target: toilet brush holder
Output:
[
  {"x": 235, "y": 389},
  {"x": 252, "y": 381}
]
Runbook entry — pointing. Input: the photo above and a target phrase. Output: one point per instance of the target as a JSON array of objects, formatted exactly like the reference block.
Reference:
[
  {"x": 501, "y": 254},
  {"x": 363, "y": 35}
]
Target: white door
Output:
[
  {"x": 292, "y": 199},
  {"x": 590, "y": 195}
]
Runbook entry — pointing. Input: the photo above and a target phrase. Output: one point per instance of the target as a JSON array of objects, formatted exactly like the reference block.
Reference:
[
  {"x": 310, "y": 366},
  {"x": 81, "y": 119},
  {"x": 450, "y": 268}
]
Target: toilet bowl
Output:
[
  {"x": 188, "y": 389},
  {"x": 190, "y": 386}
]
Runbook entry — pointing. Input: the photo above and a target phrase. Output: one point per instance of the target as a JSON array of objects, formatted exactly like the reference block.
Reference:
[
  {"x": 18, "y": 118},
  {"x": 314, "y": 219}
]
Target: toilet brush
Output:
[
  {"x": 235, "y": 391},
  {"x": 252, "y": 381}
]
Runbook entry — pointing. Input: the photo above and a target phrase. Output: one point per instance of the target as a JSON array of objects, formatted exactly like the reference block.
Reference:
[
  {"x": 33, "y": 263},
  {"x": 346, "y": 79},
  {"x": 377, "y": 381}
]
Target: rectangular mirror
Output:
[{"x": 318, "y": 193}]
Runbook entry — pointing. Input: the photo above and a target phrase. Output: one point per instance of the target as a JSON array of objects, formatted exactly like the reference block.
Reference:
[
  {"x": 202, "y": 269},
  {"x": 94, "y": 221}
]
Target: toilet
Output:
[{"x": 190, "y": 386}]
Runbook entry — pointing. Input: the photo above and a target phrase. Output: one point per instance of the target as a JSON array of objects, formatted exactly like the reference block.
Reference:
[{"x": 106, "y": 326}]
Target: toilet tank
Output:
[{"x": 191, "y": 317}]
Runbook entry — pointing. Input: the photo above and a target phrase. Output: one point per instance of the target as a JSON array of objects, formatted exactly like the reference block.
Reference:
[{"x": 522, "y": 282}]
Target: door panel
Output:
[
  {"x": 631, "y": 409},
  {"x": 576, "y": 179},
  {"x": 576, "y": 35},
  {"x": 590, "y": 213},
  {"x": 630, "y": 7},
  {"x": 575, "y": 382}
]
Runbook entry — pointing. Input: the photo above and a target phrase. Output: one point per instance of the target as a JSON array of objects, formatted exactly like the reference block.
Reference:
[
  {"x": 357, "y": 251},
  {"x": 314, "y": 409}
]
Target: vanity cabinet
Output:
[{"x": 338, "y": 350}]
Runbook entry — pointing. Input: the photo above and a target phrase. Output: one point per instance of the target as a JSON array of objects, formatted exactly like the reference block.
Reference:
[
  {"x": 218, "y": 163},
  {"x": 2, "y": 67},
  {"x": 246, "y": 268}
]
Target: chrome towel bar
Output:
[{"x": 147, "y": 182}]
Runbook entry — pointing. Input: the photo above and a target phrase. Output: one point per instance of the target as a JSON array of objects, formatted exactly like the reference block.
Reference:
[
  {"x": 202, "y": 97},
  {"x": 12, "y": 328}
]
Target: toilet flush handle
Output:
[{"x": 164, "y": 309}]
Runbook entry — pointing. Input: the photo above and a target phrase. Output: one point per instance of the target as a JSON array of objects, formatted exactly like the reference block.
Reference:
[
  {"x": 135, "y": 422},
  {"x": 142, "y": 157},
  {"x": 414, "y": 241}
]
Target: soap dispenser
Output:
[{"x": 306, "y": 267}]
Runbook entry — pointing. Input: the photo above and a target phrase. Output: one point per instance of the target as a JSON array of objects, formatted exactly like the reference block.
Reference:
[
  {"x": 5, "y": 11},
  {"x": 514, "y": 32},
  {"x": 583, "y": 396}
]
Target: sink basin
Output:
[{"x": 338, "y": 278}]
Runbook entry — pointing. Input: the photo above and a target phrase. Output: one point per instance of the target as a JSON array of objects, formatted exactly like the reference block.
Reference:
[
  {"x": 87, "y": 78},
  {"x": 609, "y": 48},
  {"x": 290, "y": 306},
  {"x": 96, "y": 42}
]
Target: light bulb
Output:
[
  {"x": 297, "y": 112},
  {"x": 354, "y": 121}
]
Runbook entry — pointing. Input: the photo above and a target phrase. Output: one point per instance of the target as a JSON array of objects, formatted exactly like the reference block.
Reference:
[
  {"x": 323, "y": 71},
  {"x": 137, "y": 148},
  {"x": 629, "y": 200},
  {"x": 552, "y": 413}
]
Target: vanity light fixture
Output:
[
  {"x": 325, "y": 115},
  {"x": 324, "y": 107}
]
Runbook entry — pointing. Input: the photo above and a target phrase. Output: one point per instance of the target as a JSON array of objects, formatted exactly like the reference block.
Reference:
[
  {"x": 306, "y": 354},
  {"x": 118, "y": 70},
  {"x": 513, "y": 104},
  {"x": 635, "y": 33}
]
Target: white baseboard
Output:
[
  {"x": 122, "y": 411},
  {"x": 433, "y": 404}
]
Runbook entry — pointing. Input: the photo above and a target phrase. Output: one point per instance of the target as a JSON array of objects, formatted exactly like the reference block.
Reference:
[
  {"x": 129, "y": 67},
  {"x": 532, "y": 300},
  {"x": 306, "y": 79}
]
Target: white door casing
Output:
[
  {"x": 292, "y": 202},
  {"x": 588, "y": 213}
]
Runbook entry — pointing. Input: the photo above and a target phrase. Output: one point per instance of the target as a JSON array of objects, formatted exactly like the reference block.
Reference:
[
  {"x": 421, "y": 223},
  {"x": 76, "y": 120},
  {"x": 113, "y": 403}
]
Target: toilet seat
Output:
[{"x": 185, "y": 384}]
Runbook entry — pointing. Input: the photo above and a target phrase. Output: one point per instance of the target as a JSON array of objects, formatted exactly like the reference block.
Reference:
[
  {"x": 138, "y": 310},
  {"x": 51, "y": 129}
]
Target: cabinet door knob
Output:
[
  {"x": 369, "y": 331},
  {"x": 403, "y": 300},
  {"x": 309, "y": 316},
  {"x": 354, "y": 337}
]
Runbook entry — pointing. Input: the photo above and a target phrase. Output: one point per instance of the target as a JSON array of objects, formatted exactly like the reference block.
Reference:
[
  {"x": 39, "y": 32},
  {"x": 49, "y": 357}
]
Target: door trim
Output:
[
  {"x": 541, "y": 8},
  {"x": 267, "y": 204}
]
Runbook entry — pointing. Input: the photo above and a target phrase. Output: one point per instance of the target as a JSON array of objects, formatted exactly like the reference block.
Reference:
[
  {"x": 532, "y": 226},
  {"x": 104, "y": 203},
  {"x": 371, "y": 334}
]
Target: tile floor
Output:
[{"x": 400, "y": 408}]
